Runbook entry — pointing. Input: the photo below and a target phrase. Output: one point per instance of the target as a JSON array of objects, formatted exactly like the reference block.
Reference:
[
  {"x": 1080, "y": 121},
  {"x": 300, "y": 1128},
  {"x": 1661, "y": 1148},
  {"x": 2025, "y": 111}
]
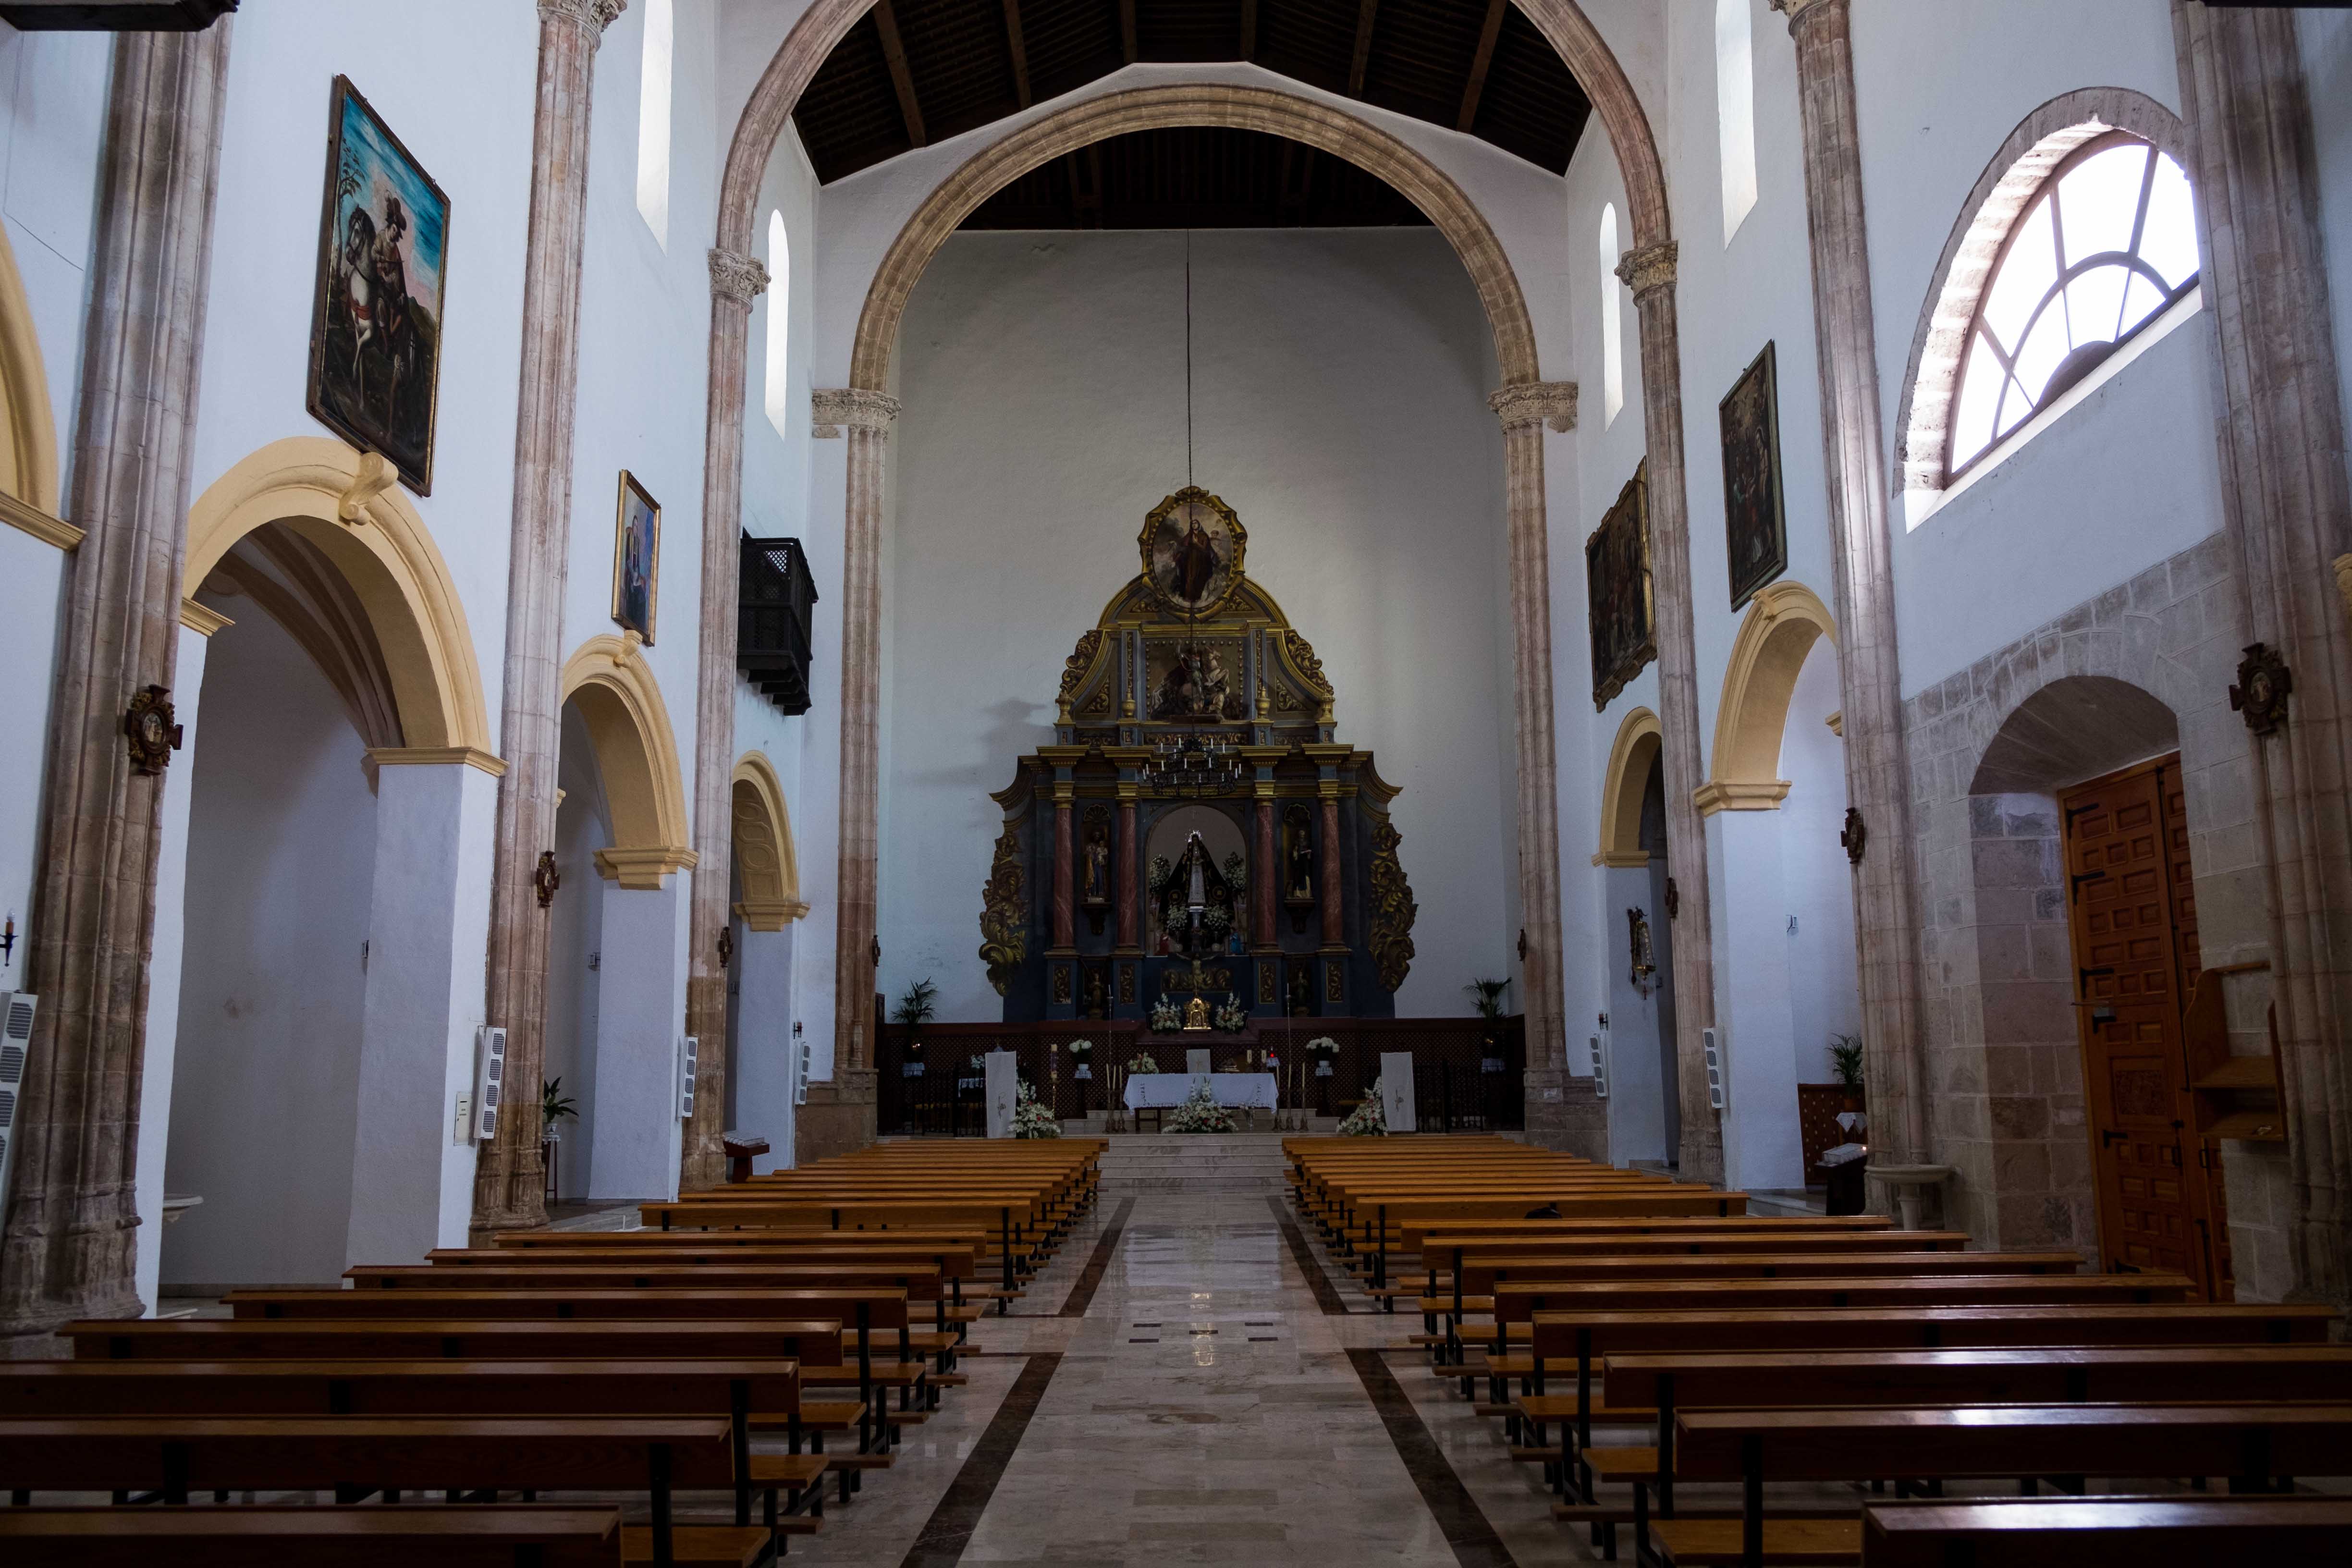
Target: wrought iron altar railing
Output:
[{"x": 1467, "y": 1073}]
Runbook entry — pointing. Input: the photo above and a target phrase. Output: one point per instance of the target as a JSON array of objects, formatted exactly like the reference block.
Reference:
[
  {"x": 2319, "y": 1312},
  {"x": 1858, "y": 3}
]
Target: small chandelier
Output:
[{"x": 1193, "y": 762}]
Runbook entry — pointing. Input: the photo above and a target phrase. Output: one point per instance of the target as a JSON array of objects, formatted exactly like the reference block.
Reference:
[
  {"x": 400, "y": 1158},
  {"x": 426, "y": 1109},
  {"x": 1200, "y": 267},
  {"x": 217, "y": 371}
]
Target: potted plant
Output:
[
  {"x": 1488, "y": 999},
  {"x": 914, "y": 1011},
  {"x": 555, "y": 1105},
  {"x": 1845, "y": 1062}
]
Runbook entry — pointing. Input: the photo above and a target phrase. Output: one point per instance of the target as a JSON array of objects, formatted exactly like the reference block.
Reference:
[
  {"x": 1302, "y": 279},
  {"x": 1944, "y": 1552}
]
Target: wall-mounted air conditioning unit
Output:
[
  {"x": 1600, "y": 1065},
  {"x": 16, "y": 1009},
  {"x": 489, "y": 1081},
  {"x": 688, "y": 1049},
  {"x": 1714, "y": 1069}
]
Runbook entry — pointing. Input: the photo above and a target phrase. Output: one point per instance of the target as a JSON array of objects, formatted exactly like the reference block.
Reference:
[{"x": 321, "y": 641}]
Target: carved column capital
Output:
[
  {"x": 1551, "y": 403},
  {"x": 1799, "y": 10},
  {"x": 736, "y": 276},
  {"x": 830, "y": 408},
  {"x": 1648, "y": 268},
  {"x": 591, "y": 16}
]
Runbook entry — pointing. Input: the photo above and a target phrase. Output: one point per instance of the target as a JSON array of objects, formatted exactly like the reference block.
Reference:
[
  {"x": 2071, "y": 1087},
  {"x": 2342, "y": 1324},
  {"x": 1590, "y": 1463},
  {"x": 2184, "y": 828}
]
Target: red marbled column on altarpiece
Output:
[
  {"x": 1128, "y": 939},
  {"x": 1335, "y": 930},
  {"x": 1262, "y": 914},
  {"x": 1064, "y": 892}
]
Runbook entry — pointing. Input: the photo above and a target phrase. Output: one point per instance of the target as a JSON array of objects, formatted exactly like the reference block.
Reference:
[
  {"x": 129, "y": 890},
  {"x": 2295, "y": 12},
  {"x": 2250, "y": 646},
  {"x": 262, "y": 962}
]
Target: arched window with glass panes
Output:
[{"x": 2104, "y": 246}]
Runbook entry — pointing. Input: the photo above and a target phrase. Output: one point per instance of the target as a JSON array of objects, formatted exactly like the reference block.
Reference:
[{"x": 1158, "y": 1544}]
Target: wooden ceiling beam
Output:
[
  {"x": 1479, "y": 64},
  {"x": 893, "y": 54},
  {"x": 1127, "y": 31},
  {"x": 1363, "y": 48},
  {"x": 1249, "y": 29},
  {"x": 1020, "y": 51}
]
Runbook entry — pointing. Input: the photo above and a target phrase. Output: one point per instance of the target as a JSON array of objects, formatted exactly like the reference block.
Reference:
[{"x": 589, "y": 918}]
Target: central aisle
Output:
[{"x": 1187, "y": 1383}]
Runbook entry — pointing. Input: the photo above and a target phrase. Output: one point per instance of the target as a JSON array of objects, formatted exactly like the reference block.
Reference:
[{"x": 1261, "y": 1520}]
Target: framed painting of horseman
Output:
[{"x": 376, "y": 324}]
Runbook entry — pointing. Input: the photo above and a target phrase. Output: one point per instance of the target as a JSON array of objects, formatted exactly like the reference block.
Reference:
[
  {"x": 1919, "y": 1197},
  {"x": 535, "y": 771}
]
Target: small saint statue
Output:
[{"x": 1196, "y": 1014}]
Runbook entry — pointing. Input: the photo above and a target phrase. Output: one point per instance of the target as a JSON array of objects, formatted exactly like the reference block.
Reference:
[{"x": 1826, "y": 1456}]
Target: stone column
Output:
[
  {"x": 1524, "y": 410},
  {"x": 868, "y": 417},
  {"x": 2287, "y": 504},
  {"x": 70, "y": 1248},
  {"x": 1877, "y": 770},
  {"x": 1267, "y": 875},
  {"x": 1066, "y": 937},
  {"x": 1335, "y": 925},
  {"x": 1125, "y": 887},
  {"x": 508, "y": 1181},
  {"x": 1648, "y": 273},
  {"x": 735, "y": 280}
]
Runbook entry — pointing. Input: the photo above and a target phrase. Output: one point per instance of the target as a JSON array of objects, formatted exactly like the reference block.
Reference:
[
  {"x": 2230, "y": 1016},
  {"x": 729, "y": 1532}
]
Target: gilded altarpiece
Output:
[{"x": 1279, "y": 893}]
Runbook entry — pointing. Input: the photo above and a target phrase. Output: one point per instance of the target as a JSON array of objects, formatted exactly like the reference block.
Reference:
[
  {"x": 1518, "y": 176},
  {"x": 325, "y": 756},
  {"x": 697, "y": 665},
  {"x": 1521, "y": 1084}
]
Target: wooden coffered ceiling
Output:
[{"x": 913, "y": 72}]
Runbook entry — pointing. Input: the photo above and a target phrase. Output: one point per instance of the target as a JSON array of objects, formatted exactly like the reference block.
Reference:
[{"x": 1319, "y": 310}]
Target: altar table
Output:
[{"x": 1233, "y": 1090}]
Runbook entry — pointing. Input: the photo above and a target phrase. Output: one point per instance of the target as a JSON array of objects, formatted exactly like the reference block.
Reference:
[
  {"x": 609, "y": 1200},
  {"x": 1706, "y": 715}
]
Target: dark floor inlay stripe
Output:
[
  {"x": 948, "y": 1530},
  {"x": 1082, "y": 1294},
  {"x": 1474, "y": 1543},
  {"x": 1326, "y": 1295}
]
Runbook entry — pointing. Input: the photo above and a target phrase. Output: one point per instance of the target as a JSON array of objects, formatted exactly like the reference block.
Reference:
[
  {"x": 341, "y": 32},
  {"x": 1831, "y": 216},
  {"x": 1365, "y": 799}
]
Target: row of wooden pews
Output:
[
  {"x": 702, "y": 1370},
  {"x": 1679, "y": 1375}
]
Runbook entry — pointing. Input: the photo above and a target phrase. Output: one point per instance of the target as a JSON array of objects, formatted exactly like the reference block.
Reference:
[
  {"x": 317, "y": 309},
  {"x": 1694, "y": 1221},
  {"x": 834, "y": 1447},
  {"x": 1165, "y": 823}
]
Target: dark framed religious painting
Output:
[
  {"x": 1754, "y": 526},
  {"x": 1618, "y": 599},
  {"x": 1192, "y": 546},
  {"x": 375, "y": 321},
  {"x": 636, "y": 559}
]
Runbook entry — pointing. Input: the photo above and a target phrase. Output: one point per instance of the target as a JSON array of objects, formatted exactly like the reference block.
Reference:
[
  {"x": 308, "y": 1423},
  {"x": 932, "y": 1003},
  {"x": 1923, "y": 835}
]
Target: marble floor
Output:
[{"x": 1188, "y": 1384}]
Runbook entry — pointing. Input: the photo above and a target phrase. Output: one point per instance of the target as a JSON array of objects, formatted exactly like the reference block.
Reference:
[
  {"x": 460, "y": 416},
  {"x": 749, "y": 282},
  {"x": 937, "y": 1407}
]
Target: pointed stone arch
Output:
[
  {"x": 1284, "y": 114},
  {"x": 1783, "y": 622},
  {"x": 766, "y": 863},
  {"x": 608, "y": 681},
  {"x": 347, "y": 506},
  {"x": 1621, "y": 788}
]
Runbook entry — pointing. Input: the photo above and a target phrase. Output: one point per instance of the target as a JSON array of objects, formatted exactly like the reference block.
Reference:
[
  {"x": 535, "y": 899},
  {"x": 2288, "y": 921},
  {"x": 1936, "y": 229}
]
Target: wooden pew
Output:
[
  {"x": 2148, "y": 1532},
  {"x": 177, "y": 1454},
  {"x": 732, "y": 1389},
  {"x": 2253, "y": 1445},
  {"x": 812, "y": 1342},
  {"x": 544, "y": 1535}
]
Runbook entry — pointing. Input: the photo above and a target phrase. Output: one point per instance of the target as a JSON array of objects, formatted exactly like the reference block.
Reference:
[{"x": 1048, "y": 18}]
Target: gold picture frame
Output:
[{"x": 636, "y": 559}]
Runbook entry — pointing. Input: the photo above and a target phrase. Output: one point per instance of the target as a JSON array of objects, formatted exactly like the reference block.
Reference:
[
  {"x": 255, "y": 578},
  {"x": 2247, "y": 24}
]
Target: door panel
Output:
[{"x": 2132, "y": 918}]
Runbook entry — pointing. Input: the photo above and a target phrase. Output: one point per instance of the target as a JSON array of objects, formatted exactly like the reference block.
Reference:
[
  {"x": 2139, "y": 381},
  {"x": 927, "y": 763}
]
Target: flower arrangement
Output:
[
  {"x": 1200, "y": 1113},
  {"x": 1166, "y": 1017},
  {"x": 1233, "y": 1017},
  {"x": 1368, "y": 1120},
  {"x": 1030, "y": 1119},
  {"x": 1141, "y": 1062},
  {"x": 1080, "y": 1049},
  {"x": 1323, "y": 1046}
]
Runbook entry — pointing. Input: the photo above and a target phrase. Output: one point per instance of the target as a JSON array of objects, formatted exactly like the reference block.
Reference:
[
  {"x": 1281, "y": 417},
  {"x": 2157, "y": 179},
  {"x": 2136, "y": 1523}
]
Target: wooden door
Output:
[{"x": 2132, "y": 917}]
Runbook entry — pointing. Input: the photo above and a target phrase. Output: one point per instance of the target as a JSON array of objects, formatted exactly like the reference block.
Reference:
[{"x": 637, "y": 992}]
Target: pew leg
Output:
[{"x": 20, "y": 1497}]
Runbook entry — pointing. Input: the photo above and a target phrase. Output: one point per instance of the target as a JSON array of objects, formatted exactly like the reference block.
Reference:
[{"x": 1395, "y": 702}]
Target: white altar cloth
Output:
[{"x": 1235, "y": 1091}]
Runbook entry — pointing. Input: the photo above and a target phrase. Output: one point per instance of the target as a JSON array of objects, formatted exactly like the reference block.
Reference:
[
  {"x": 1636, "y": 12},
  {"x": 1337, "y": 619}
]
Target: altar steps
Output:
[{"x": 1205, "y": 1163}]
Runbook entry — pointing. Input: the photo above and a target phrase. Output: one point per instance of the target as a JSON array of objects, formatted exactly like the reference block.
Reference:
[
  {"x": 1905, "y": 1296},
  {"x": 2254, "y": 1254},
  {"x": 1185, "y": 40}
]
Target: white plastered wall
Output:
[{"x": 1339, "y": 407}]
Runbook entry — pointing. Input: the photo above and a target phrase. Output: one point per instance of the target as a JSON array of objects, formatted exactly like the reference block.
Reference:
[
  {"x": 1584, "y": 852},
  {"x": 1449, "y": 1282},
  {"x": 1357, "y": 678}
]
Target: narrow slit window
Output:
[
  {"x": 1612, "y": 347},
  {"x": 777, "y": 391},
  {"x": 653, "y": 122},
  {"x": 1735, "y": 111}
]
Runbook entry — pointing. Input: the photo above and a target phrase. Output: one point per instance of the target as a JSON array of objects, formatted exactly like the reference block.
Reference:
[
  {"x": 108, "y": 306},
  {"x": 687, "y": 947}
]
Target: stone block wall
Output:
[{"x": 2141, "y": 669}]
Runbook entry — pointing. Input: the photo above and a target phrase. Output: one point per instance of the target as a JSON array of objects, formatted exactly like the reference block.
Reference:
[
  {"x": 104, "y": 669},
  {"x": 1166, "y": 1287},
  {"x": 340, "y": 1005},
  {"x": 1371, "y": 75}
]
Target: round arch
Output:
[
  {"x": 1783, "y": 622},
  {"x": 348, "y": 506},
  {"x": 1190, "y": 104},
  {"x": 1621, "y": 788},
  {"x": 608, "y": 681},
  {"x": 2041, "y": 141},
  {"x": 826, "y": 22},
  {"x": 765, "y": 860},
  {"x": 28, "y": 434}
]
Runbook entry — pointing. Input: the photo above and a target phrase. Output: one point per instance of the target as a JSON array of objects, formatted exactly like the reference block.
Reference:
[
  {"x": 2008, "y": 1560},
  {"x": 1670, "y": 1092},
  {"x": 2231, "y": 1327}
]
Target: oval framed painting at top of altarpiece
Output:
[
  {"x": 1192, "y": 546},
  {"x": 376, "y": 324}
]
